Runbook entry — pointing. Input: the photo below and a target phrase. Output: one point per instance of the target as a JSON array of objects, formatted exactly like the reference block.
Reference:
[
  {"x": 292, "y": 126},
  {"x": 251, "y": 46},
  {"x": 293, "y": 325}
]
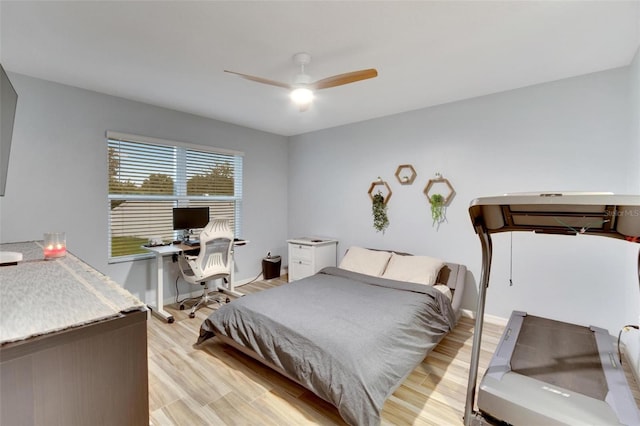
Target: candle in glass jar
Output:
[
  {"x": 57, "y": 250},
  {"x": 55, "y": 245}
]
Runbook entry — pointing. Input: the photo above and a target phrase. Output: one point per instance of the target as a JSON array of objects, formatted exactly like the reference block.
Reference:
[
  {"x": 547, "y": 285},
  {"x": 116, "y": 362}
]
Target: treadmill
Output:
[{"x": 545, "y": 371}]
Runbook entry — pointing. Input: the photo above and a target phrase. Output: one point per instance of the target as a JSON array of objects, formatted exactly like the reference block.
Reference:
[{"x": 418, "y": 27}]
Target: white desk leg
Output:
[{"x": 158, "y": 310}]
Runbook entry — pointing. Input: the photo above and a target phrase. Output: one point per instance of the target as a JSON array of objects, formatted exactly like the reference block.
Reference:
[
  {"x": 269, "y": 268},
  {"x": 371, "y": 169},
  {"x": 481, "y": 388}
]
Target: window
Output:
[{"x": 149, "y": 177}]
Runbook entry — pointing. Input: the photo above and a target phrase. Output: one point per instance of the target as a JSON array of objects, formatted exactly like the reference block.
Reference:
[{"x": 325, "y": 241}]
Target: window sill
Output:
[{"x": 130, "y": 258}]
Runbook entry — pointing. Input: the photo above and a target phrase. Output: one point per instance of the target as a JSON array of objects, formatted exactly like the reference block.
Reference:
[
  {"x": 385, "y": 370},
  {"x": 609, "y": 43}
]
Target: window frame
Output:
[{"x": 179, "y": 199}]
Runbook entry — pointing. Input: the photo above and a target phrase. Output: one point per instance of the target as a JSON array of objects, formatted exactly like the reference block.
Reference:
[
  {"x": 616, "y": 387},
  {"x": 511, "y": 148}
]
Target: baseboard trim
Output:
[
  {"x": 251, "y": 280},
  {"x": 467, "y": 313}
]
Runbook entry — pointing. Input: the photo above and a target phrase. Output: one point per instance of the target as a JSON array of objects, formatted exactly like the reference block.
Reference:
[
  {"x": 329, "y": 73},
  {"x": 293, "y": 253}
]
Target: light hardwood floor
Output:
[{"x": 213, "y": 384}]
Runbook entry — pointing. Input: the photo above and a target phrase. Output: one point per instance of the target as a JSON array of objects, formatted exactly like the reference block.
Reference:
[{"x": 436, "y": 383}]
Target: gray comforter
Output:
[{"x": 350, "y": 338}]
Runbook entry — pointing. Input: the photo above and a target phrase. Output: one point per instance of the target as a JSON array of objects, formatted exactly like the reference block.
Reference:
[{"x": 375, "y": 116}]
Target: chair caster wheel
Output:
[
  {"x": 182, "y": 307},
  {"x": 192, "y": 315},
  {"x": 227, "y": 300}
]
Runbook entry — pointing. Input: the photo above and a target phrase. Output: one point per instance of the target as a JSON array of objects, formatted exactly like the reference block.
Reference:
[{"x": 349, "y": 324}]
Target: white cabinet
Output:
[{"x": 307, "y": 255}]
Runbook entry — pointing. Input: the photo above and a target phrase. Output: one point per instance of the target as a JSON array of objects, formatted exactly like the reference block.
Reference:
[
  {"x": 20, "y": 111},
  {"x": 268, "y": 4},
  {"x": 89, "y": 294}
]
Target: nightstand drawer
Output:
[
  {"x": 300, "y": 269},
  {"x": 300, "y": 252}
]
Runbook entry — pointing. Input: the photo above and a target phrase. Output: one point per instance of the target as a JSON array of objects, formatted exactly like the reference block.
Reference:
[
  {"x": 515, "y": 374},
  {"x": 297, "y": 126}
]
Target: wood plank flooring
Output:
[{"x": 214, "y": 384}]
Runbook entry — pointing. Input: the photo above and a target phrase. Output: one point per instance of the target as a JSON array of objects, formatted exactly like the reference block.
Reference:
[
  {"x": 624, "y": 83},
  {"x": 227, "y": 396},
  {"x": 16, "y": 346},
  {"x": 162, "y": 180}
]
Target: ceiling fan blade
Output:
[
  {"x": 340, "y": 79},
  {"x": 261, "y": 80}
]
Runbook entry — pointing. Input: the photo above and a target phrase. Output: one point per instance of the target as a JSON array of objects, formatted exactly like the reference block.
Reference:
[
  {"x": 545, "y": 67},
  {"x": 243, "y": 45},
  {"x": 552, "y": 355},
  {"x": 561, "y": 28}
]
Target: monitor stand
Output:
[{"x": 186, "y": 235}]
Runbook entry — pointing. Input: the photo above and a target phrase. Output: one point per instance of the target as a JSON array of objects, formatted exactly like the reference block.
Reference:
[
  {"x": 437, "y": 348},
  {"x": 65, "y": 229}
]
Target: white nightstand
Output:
[{"x": 307, "y": 255}]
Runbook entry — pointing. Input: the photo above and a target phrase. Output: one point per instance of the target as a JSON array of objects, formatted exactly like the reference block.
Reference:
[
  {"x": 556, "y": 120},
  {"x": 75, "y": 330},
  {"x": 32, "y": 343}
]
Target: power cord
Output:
[
  {"x": 511, "y": 261},
  {"x": 178, "y": 294},
  {"x": 257, "y": 276},
  {"x": 628, "y": 326},
  {"x": 625, "y": 328}
]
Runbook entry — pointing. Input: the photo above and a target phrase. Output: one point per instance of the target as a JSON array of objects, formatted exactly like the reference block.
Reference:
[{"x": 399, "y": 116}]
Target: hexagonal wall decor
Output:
[
  {"x": 386, "y": 196},
  {"x": 406, "y": 174},
  {"x": 439, "y": 181}
]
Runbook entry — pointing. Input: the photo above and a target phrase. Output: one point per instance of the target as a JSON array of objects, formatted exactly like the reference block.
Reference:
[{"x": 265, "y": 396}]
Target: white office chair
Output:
[{"x": 213, "y": 261}]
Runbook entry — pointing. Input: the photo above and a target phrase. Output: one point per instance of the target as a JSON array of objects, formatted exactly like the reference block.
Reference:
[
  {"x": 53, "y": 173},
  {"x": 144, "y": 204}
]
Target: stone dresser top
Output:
[{"x": 40, "y": 296}]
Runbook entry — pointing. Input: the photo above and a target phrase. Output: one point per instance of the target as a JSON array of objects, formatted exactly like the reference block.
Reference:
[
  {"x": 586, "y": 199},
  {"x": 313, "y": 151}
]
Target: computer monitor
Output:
[{"x": 185, "y": 218}]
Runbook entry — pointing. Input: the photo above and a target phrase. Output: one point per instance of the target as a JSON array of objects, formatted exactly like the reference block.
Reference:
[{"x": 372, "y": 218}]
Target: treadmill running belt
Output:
[{"x": 565, "y": 355}]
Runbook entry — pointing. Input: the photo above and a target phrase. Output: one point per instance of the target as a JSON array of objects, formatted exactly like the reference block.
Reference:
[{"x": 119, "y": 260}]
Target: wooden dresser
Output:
[{"x": 73, "y": 345}]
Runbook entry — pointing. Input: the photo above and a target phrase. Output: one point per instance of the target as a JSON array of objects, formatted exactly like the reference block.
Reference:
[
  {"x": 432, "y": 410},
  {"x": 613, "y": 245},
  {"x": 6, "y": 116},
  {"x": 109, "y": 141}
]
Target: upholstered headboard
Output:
[{"x": 453, "y": 275}]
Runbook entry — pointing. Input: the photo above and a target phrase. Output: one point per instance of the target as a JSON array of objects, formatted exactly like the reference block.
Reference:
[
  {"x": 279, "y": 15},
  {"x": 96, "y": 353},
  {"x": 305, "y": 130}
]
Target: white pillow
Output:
[
  {"x": 413, "y": 269},
  {"x": 364, "y": 261}
]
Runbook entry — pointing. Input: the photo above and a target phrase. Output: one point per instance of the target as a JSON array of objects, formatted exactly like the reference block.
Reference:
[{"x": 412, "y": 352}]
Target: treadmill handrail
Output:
[{"x": 615, "y": 216}]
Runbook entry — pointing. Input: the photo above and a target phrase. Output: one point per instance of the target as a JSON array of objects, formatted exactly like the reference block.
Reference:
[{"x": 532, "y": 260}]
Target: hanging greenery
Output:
[
  {"x": 379, "y": 210},
  {"x": 437, "y": 208}
]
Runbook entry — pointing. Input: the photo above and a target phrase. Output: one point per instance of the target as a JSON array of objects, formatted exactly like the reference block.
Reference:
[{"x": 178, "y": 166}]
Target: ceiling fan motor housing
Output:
[
  {"x": 302, "y": 80},
  {"x": 302, "y": 58}
]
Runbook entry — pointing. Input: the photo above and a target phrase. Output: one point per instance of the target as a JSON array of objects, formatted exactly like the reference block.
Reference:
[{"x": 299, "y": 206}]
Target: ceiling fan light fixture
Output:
[{"x": 301, "y": 96}]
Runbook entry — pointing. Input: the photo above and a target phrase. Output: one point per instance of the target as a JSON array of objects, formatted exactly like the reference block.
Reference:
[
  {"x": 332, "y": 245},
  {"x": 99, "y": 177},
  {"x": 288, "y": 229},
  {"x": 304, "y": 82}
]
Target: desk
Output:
[{"x": 171, "y": 249}]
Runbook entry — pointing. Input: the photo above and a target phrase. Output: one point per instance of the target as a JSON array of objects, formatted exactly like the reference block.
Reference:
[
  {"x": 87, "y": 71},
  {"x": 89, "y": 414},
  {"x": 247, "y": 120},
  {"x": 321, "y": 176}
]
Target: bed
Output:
[{"x": 352, "y": 334}]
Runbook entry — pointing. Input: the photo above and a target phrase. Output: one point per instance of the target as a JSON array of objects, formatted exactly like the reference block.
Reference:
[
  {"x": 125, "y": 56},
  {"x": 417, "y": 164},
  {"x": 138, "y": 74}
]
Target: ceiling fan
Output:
[{"x": 302, "y": 87}]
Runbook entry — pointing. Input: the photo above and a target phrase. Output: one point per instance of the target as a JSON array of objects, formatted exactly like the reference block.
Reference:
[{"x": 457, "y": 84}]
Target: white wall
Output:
[
  {"x": 634, "y": 71},
  {"x": 576, "y": 134},
  {"x": 569, "y": 135},
  {"x": 632, "y": 338},
  {"x": 57, "y": 178}
]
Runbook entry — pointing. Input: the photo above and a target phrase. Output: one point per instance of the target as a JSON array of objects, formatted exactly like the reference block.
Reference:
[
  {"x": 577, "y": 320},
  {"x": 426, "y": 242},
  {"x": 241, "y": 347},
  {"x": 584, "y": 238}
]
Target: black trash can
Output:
[{"x": 271, "y": 267}]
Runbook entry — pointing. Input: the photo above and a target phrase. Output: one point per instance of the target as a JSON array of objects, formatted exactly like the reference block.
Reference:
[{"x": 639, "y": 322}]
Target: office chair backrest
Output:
[{"x": 216, "y": 243}]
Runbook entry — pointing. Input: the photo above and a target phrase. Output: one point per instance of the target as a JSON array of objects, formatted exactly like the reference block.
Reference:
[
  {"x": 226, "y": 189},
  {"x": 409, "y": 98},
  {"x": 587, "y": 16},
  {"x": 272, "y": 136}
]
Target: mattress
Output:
[{"x": 350, "y": 338}]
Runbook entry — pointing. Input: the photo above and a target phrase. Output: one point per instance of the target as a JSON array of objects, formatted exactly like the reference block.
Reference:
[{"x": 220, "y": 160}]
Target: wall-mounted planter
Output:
[
  {"x": 383, "y": 187},
  {"x": 406, "y": 174},
  {"x": 433, "y": 186},
  {"x": 435, "y": 191},
  {"x": 379, "y": 201}
]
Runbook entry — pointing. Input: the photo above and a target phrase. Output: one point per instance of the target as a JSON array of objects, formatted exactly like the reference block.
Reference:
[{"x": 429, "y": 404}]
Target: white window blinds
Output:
[{"x": 149, "y": 177}]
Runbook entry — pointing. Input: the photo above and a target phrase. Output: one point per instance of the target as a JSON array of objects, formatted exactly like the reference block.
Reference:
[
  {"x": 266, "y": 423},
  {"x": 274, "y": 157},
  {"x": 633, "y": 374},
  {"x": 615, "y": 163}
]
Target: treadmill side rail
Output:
[
  {"x": 501, "y": 359},
  {"x": 619, "y": 396}
]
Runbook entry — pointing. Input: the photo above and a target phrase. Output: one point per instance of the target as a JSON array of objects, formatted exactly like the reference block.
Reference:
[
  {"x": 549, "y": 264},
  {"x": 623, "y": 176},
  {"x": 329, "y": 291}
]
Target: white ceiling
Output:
[{"x": 173, "y": 54}]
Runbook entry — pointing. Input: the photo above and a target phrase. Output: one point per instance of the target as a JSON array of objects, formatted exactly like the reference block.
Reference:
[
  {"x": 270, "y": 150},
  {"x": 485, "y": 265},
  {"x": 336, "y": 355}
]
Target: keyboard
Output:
[{"x": 192, "y": 243}]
